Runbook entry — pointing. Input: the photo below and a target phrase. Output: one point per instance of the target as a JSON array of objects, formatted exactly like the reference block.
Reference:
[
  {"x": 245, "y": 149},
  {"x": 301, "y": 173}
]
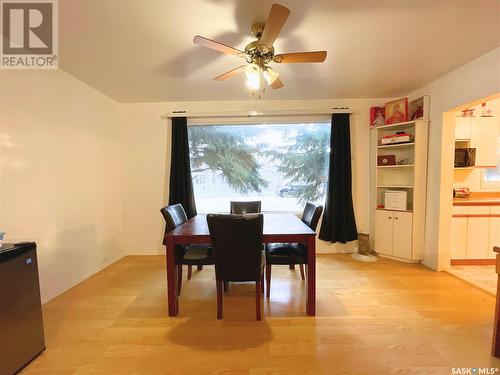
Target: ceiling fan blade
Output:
[
  {"x": 212, "y": 44},
  {"x": 300, "y": 57},
  {"x": 231, "y": 73},
  {"x": 277, "y": 84},
  {"x": 275, "y": 21}
]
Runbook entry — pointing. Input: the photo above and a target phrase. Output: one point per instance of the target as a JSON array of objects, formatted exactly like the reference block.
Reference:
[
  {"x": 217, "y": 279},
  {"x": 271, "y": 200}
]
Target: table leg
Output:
[
  {"x": 173, "y": 303},
  {"x": 311, "y": 276}
]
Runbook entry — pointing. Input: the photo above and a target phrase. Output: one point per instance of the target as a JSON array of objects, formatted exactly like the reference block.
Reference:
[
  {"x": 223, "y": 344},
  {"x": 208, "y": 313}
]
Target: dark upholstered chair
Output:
[
  {"x": 237, "y": 245},
  {"x": 292, "y": 253},
  {"x": 190, "y": 255},
  {"x": 241, "y": 208}
]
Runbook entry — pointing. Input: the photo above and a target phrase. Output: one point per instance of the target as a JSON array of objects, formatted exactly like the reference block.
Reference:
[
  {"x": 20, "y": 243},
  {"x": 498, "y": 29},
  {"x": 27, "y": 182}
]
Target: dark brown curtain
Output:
[
  {"x": 181, "y": 183},
  {"x": 339, "y": 223}
]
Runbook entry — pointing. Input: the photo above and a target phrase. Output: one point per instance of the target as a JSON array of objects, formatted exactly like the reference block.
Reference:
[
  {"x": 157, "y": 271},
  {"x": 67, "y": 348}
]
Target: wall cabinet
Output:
[
  {"x": 463, "y": 128},
  {"x": 484, "y": 135},
  {"x": 475, "y": 231},
  {"x": 481, "y": 132},
  {"x": 393, "y": 233}
]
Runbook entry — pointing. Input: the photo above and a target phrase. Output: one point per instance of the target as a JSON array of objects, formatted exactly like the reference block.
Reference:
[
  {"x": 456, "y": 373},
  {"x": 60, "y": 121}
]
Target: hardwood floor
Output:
[
  {"x": 483, "y": 277},
  {"x": 372, "y": 318}
]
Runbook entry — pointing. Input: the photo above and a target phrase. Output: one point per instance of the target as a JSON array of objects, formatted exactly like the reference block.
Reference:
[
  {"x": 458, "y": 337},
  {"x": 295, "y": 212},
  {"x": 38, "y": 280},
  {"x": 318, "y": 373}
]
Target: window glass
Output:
[{"x": 283, "y": 165}]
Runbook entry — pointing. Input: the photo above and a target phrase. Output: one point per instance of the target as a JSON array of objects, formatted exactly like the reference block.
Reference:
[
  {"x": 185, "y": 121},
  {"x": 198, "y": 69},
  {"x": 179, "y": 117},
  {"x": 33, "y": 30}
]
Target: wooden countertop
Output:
[{"x": 479, "y": 199}]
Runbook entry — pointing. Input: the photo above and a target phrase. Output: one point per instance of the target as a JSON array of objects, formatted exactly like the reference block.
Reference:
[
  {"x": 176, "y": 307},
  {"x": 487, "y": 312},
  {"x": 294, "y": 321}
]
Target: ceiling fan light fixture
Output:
[
  {"x": 270, "y": 75},
  {"x": 252, "y": 73},
  {"x": 260, "y": 52}
]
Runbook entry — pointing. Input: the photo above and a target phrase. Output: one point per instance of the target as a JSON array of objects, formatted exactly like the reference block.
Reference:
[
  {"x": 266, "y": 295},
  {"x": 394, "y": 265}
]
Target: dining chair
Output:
[
  {"x": 190, "y": 255},
  {"x": 238, "y": 251},
  {"x": 291, "y": 253},
  {"x": 240, "y": 208}
]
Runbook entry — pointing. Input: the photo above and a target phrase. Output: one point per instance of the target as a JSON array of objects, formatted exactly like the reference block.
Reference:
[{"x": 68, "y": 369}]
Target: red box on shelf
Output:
[{"x": 386, "y": 160}]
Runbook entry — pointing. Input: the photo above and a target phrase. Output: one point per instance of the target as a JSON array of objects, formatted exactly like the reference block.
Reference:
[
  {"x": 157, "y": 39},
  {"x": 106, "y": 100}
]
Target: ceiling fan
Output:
[{"x": 260, "y": 53}]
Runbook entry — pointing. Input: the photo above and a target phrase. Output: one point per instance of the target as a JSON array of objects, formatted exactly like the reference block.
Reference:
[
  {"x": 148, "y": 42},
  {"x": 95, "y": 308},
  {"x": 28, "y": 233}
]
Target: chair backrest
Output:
[
  {"x": 241, "y": 208},
  {"x": 237, "y": 244},
  {"x": 311, "y": 215},
  {"x": 174, "y": 216}
]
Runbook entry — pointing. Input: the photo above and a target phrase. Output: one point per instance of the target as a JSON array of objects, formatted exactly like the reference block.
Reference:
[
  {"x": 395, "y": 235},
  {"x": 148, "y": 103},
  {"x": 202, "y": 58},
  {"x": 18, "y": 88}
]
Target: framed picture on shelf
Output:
[
  {"x": 377, "y": 116},
  {"x": 416, "y": 109},
  {"x": 396, "y": 111}
]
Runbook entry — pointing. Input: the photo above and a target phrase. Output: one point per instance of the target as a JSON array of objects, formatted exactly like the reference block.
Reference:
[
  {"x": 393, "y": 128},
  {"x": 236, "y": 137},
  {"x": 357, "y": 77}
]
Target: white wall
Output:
[
  {"x": 61, "y": 176},
  {"x": 478, "y": 79},
  {"x": 148, "y": 161}
]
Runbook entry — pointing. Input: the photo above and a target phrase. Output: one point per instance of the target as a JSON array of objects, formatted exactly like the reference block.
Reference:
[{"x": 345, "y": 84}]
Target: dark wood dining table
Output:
[{"x": 277, "y": 228}]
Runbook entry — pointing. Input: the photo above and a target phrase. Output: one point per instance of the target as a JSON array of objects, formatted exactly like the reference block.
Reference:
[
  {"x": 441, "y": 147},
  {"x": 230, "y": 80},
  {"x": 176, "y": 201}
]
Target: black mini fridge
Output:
[{"x": 21, "y": 322}]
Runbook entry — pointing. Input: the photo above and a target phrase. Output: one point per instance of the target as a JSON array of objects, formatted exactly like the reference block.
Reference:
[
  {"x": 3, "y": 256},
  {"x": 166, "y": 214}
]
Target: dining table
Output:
[{"x": 278, "y": 227}]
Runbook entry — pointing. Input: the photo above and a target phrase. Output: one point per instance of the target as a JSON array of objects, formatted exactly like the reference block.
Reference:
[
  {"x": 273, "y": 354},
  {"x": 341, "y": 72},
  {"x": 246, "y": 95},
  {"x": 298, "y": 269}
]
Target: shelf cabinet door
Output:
[
  {"x": 459, "y": 238},
  {"x": 463, "y": 128},
  {"x": 478, "y": 231},
  {"x": 402, "y": 235},
  {"x": 485, "y": 139},
  {"x": 494, "y": 236},
  {"x": 383, "y": 231}
]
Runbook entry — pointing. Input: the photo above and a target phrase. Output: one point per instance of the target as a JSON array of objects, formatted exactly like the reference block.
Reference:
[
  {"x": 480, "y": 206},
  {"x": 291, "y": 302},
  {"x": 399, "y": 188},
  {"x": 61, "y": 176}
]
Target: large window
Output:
[{"x": 283, "y": 165}]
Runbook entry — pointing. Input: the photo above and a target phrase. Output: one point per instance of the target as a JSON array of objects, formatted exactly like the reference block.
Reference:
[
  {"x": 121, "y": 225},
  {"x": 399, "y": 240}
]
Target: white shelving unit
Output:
[
  {"x": 395, "y": 166},
  {"x": 400, "y": 234},
  {"x": 400, "y": 145}
]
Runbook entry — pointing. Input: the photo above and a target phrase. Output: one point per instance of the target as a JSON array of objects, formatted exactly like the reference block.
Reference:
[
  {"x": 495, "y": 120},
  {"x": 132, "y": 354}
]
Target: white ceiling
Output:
[{"x": 142, "y": 51}]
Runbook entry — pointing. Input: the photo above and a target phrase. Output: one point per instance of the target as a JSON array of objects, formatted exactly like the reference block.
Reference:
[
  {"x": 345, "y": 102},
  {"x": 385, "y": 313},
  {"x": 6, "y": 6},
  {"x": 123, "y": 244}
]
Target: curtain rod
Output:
[{"x": 182, "y": 113}]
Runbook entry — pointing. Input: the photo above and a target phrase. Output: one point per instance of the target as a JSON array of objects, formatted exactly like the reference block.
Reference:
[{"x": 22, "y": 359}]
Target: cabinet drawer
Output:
[
  {"x": 495, "y": 210},
  {"x": 471, "y": 210}
]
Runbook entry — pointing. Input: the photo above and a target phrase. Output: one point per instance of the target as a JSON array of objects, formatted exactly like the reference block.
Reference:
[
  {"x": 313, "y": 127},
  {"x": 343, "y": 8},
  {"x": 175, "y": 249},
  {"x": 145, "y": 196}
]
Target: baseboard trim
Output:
[
  {"x": 67, "y": 287},
  {"x": 413, "y": 261},
  {"x": 473, "y": 262}
]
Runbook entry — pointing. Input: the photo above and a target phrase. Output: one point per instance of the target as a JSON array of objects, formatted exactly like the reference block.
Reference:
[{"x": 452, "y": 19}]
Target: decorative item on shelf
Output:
[
  {"x": 399, "y": 137},
  {"x": 377, "y": 116},
  {"x": 403, "y": 161},
  {"x": 383, "y": 160},
  {"x": 380, "y": 206},
  {"x": 485, "y": 112},
  {"x": 418, "y": 114},
  {"x": 416, "y": 109},
  {"x": 2, "y": 235},
  {"x": 462, "y": 192},
  {"x": 468, "y": 112},
  {"x": 395, "y": 200},
  {"x": 396, "y": 111}
]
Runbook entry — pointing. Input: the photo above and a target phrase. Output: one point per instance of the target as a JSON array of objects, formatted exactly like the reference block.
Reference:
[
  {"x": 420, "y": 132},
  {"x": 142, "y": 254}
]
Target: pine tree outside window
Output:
[{"x": 283, "y": 165}]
